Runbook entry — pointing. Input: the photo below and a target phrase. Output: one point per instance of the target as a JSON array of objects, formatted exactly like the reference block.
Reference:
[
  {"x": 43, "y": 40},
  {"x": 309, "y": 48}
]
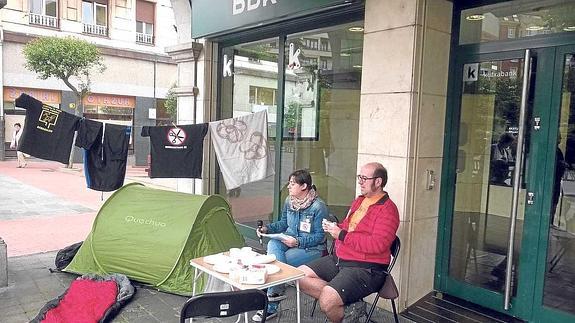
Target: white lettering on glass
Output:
[
  {"x": 227, "y": 70},
  {"x": 293, "y": 58},
  {"x": 253, "y": 4},
  {"x": 238, "y": 7}
]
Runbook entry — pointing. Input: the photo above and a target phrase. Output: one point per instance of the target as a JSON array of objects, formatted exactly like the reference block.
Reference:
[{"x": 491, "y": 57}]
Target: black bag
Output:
[{"x": 65, "y": 255}]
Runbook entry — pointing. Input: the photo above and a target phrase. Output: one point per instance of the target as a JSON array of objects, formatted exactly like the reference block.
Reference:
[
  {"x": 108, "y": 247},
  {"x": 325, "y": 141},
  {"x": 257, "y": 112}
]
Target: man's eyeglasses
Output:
[{"x": 362, "y": 178}]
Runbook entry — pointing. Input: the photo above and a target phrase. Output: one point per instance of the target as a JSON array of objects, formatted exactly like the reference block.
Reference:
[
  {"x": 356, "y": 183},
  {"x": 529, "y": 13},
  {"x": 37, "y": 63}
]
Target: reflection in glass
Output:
[
  {"x": 560, "y": 274},
  {"x": 321, "y": 111},
  {"x": 251, "y": 88},
  {"x": 489, "y": 123},
  {"x": 516, "y": 19}
]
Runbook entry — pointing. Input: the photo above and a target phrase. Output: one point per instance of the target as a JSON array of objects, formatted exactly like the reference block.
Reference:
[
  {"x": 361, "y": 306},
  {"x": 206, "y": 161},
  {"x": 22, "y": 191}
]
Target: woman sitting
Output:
[{"x": 301, "y": 218}]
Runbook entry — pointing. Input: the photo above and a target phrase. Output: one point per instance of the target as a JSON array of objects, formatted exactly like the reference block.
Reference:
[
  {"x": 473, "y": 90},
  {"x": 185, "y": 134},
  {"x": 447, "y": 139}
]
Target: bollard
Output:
[{"x": 3, "y": 264}]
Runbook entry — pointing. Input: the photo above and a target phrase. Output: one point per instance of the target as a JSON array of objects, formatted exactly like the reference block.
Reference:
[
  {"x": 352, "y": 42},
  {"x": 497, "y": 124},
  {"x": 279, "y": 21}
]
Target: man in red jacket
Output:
[{"x": 362, "y": 248}]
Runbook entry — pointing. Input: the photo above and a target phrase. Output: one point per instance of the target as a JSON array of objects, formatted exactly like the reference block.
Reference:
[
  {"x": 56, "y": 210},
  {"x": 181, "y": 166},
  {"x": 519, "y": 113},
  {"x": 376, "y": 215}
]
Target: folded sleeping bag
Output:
[{"x": 90, "y": 298}]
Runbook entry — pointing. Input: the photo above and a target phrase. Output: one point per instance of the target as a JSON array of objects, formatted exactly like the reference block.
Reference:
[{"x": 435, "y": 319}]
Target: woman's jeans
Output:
[{"x": 291, "y": 256}]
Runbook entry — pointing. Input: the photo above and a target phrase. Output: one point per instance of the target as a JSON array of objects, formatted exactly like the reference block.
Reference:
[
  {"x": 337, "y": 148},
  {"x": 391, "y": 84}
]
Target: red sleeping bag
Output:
[
  {"x": 85, "y": 302},
  {"x": 89, "y": 299}
]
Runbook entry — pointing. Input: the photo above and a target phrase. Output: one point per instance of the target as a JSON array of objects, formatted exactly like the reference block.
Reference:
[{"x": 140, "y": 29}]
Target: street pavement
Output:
[{"x": 45, "y": 207}]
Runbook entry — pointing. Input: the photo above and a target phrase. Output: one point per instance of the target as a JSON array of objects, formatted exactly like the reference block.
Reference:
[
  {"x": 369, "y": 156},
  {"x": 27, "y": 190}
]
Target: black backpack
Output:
[{"x": 65, "y": 255}]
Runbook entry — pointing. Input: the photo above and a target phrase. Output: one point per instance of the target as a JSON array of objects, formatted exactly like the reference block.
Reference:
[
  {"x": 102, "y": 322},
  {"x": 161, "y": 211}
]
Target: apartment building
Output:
[{"x": 131, "y": 35}]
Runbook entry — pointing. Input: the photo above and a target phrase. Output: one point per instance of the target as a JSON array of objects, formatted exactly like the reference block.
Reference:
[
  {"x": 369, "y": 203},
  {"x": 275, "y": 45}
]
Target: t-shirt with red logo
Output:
[{"x": 176, "y": 151}]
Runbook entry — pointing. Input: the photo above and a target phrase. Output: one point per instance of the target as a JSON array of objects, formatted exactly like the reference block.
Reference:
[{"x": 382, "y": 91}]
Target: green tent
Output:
[{"x": 150, "y": 235}]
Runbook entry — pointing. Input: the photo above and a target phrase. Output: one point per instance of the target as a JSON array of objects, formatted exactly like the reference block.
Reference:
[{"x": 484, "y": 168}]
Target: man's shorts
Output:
[{"x": 351, "y": 283}]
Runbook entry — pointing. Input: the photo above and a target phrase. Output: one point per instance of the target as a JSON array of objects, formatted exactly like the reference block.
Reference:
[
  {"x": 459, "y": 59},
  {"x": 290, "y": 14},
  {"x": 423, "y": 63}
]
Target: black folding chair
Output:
[
  {"x": 389, "y": 289},
  {"x": 225, "y": 304}
]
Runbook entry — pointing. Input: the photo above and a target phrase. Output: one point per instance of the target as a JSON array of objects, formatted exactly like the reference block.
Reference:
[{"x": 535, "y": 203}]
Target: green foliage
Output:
[
  {"x": 291, "y": 116},
  {"x": 171, "y": 104},
  {"x": 68, "y": 59}
]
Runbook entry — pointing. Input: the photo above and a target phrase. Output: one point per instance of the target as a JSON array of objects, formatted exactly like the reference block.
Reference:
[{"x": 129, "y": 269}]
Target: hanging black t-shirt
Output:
[
  {"x": 48, "y": 132},
  {"x": 177, "y": 152},
  {"x": 105, "y": 154}
]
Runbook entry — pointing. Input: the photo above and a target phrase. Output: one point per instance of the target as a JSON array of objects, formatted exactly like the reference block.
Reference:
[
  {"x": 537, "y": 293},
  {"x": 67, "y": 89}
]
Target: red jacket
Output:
[{"x": 373, "y": 235}]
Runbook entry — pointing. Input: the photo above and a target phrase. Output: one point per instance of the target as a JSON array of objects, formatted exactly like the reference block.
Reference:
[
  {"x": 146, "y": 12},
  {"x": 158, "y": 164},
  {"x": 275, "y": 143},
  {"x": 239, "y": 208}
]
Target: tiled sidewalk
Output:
[{"x": 31, "y": 285}]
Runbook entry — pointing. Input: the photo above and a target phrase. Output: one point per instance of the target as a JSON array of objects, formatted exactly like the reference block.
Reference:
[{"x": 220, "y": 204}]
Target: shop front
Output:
[
  {"x": 113, "y": 109},
  {"x": 508, "y": 225},
  {"x": 344, "y": 83},
  {"x": 307, "y": 76}
]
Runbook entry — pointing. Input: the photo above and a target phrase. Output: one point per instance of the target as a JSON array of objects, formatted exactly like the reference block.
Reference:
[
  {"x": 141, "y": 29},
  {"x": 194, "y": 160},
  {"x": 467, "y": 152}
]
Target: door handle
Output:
[
  {"x": 530, "y": 198},
  {"x": 517, "y": 179}
]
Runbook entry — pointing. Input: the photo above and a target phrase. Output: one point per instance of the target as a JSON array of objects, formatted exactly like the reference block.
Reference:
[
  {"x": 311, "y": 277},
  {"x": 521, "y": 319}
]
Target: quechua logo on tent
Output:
[{"x": 155, "y": 223}]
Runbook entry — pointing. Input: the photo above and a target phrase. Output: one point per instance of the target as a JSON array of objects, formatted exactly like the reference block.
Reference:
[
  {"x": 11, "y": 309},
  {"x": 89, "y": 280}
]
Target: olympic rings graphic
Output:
[
  {"x": 232, "y": 130},
  {"x": 255, "y": 147}
]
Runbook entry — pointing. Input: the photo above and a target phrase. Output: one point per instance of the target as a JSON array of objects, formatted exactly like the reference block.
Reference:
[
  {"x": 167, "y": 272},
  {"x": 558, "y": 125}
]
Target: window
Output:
[
  {"x": 511, "y": 32},
  {"x": 318, "y": 125},
  {"x": 95, "y": 18},
  {"x": 487, "y": 23},
  {"x": 43, "y": 12},
  {"x": 325, "y": 45},
  {"x": 144, "y": 32},
  {"x": 144, "y": 22},
  {"x": 310, "y": 43},
  {"x": 262, "y": 96}
]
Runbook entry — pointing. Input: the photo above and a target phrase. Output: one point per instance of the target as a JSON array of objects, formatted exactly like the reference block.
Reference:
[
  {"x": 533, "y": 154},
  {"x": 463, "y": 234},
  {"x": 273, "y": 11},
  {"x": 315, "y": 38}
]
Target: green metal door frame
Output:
[
  {"x": 542, "y": 313},
  {"x": 527, "y": 303}
]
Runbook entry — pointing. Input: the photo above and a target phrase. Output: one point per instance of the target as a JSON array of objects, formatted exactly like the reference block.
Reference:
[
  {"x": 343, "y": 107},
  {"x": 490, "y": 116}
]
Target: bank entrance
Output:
[{"x": 507, "y": 227}]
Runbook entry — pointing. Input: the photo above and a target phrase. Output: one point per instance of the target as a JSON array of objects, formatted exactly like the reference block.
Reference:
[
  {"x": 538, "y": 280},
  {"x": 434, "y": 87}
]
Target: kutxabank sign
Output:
[{"x": 210, "y": 17}]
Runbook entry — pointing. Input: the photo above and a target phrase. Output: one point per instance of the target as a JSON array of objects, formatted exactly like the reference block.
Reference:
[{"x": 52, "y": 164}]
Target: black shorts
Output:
[{"x": 351, "y": 283}]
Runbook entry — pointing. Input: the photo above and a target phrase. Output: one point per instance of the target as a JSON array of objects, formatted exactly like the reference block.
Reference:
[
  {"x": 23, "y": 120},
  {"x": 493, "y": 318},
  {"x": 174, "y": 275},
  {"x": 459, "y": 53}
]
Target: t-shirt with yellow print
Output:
[{"x": 362, "y": 210}]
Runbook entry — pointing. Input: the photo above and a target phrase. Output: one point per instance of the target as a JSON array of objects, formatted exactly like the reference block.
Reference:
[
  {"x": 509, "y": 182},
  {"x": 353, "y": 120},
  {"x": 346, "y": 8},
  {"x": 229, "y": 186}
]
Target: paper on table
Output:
[{"x": 276, "y": 236}]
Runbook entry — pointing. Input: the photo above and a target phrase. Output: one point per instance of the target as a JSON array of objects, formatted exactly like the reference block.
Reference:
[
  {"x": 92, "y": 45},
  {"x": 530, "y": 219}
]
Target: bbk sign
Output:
[
  {"x": 241, "y": 6},
  {"x": 217, "y": 17}
]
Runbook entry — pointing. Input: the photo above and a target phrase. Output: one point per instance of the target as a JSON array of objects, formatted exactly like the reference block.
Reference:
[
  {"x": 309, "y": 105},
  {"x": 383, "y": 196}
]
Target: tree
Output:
[
  {"x": 69, "y": 59},
  {"x": 171, "y": 104}
]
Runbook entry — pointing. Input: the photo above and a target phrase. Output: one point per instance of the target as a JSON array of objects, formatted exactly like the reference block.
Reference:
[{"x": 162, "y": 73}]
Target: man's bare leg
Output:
[
  {"x": 311, "y": 284},
  {"x": 331, "y": 304}
]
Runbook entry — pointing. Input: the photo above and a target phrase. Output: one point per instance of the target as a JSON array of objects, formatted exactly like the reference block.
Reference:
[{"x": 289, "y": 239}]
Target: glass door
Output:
[
  {"x": 555, "y": 289},
  {"x": 489, "y": 161},
  {"x": 509, "y": 239}
]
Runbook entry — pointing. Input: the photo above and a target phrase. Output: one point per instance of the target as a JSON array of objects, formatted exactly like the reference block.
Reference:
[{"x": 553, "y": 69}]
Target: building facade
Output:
[
  {"x": 131, "y": 35},
  {"x": 467, "y": 104}
]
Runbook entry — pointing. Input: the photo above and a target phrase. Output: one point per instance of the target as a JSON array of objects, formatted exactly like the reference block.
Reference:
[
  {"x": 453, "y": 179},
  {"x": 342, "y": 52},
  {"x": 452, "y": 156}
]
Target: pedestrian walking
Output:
[{"x": 15, "y": 144}]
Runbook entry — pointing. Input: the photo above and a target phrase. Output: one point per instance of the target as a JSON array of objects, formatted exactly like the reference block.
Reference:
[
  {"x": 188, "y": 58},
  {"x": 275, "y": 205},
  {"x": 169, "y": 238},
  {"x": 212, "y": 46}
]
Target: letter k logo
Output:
[
  {"x": 293, "y": 57},
  {"x": 470, "y": 72},
  {"x": 227, "y": 66}
]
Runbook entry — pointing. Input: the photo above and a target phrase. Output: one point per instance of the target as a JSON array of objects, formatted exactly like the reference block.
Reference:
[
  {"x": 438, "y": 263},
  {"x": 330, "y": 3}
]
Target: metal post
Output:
[
  {"x": 517, "y": 176},
  {"x": 3, "y": 264},
  {"x": 2, "y": 120}
]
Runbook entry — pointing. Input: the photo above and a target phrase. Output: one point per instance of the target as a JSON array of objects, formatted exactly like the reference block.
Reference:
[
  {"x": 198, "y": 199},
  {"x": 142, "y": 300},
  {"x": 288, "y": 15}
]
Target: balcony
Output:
[
  {"x": 144, "y": 38},
  {"x": 96, "y": 30},
  {"x": 42, "y": 20}
]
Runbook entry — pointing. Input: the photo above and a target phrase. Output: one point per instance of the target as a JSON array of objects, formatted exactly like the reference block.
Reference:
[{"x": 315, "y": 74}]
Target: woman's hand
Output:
[
  {"x": 290, "y": 242},
  {"x": 261, "y": 230}
]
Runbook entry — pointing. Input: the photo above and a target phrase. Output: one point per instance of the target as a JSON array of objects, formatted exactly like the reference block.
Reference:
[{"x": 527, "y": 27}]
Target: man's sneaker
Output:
[
  {"x": 275, "y": 297},
  {"x": 259, "y": 316},
  {"x": 354, "y": 311}
]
